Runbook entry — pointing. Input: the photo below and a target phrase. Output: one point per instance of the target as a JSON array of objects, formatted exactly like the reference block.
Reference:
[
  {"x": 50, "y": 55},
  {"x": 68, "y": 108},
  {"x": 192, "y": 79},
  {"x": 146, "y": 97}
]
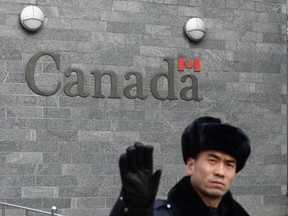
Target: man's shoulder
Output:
[
  {"x": 238, "y": 209},
  {"x": 162, "y": 208},
  {"x": 161, "y": 203}
]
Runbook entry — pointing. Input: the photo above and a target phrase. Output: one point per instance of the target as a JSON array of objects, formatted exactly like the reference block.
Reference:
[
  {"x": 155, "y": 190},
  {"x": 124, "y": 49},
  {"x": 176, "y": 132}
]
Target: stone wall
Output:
[{"x": 63, "y": 150}]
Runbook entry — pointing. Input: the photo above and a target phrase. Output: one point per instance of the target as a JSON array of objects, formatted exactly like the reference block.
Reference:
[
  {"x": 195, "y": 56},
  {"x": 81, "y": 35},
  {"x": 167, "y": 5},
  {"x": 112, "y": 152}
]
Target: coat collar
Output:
[{"x": 187, "y": 202}]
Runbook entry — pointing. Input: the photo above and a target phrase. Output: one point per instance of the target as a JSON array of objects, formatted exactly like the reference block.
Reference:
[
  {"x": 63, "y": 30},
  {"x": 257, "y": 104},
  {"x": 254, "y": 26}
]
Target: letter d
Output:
[{"x": 170, "y": 79}]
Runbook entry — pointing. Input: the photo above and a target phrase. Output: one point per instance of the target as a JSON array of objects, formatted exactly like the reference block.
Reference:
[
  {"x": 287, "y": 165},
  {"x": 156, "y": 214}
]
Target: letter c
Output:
[{"x": 30, "y": 72}]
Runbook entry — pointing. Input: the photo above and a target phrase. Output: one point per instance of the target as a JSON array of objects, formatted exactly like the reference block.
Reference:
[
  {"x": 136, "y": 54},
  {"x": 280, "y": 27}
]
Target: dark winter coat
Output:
[{"x": 183, "y": 200}]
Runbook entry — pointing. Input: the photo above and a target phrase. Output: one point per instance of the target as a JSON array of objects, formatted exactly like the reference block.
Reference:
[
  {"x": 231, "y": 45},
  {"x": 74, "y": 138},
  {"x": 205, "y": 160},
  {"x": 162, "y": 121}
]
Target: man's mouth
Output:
[{"x": 218, "y": 183}]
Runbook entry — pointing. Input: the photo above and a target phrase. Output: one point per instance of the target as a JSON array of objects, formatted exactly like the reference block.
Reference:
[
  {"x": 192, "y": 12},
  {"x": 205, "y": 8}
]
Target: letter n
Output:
[{"x": 98, "y": 87}]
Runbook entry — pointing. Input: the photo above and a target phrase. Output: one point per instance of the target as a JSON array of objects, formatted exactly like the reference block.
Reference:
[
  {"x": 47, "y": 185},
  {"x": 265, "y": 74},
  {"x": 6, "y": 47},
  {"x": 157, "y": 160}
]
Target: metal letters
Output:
[
  {"x": 137, "y": 88},
  {"x": 30, "y": 72}
]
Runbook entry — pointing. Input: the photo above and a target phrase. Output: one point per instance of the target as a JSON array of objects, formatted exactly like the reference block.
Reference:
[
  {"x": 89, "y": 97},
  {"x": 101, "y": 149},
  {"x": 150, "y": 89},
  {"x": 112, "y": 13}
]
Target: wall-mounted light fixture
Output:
[
  {"x": 195, "y": 29},
  {"x": 32, "y": 18}
]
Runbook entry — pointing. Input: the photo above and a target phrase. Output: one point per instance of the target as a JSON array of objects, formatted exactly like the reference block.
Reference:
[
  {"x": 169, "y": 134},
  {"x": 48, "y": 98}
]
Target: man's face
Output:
[{"x": 212, "y": 173}]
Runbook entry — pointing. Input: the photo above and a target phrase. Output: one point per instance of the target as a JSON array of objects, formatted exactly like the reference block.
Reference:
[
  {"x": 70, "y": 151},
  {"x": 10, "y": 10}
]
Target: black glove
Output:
[{"x": 139, "y": 184}]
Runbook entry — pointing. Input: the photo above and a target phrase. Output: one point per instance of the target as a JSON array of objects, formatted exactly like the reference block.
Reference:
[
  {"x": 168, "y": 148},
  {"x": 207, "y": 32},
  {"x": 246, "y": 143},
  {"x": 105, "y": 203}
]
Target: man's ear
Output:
[{"x": 190, "y": 166}]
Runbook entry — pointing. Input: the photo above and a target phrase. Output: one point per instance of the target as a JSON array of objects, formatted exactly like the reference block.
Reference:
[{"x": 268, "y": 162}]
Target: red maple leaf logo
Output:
[{"x": 189, "y": 64}]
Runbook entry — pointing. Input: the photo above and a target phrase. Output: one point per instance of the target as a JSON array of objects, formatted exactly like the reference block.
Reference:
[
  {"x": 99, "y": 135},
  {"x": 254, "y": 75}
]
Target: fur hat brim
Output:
[
  {"x": 208, "y": 133},
  {"x": 228, "y": 139}
]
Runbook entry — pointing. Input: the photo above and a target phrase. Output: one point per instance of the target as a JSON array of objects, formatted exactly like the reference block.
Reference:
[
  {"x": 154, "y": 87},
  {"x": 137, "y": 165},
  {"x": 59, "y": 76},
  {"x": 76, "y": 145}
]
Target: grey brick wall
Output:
[{"x": 63, "y": 151}]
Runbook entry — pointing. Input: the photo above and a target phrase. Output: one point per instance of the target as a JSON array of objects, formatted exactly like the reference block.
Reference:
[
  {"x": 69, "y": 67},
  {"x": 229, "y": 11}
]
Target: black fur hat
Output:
[{"x": 208, "y": 133}]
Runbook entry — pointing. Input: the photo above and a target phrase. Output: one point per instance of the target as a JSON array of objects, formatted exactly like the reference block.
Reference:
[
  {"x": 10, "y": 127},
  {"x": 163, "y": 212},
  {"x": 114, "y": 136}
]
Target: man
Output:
[{"x": 213, "y": 153}]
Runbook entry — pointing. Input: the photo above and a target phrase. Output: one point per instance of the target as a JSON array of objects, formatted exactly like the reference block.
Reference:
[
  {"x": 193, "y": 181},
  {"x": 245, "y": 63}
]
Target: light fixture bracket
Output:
[
  {"x": 32, "y": 18},
  {"x": 195, "y": 29}
]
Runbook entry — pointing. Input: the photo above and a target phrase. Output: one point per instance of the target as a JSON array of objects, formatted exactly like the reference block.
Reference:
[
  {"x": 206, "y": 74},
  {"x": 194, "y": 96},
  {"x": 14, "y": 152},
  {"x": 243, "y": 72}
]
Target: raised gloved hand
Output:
[{"x": 139, "y": 184}]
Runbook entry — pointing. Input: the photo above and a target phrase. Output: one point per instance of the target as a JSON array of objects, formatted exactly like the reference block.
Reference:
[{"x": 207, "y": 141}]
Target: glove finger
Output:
[
  {"x": 148, "y": 159},
  {"x": 155, "y": 181},
  {"x": 123, "y": 165},
  {"x": 131, "y": 158},
  {"x": 140, "y": 150}
]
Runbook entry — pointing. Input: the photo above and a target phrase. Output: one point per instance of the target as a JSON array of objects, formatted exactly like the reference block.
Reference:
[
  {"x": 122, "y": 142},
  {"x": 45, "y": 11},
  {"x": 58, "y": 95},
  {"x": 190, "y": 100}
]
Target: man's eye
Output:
[
  {"x": 232, "y": 165},
  {"x": 212, "y": 161}
]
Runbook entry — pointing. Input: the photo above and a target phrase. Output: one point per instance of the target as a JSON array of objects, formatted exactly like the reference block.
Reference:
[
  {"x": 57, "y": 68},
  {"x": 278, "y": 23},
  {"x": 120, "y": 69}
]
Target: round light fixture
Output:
[
  {"x": 32, "y": 18},
  {"x": 195, "y": 29}
]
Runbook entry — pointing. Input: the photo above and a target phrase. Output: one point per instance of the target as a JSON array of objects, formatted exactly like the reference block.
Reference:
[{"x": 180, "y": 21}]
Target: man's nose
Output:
[{"x": 220, "y": 170}]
